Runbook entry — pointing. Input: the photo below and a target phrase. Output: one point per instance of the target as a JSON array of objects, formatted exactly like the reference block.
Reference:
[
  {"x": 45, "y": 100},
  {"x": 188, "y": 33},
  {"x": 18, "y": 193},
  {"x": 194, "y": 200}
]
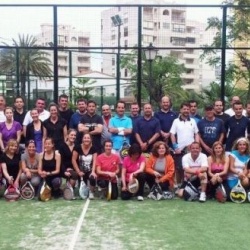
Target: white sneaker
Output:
[
  {"x": 91, "y": 196},
  {"x": 202, "y": 197},
  {"x": 140, "y": 198}
]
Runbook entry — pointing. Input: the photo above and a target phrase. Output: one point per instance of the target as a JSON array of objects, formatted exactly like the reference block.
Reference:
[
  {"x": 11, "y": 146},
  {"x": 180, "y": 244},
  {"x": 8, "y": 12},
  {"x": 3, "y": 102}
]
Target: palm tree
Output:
[{"x": 31, "y": 61}]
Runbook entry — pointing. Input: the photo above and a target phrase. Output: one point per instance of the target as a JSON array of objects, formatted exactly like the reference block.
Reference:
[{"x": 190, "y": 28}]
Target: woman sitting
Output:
[
  {"x": 107, "y": 168},
  {"x": 11, "y": 163},
  {"x": 160, "y": 167},
  {"x": 218, "y": 165},
  {"x": 238, "y": 159},
  {"x": 133, "y": 167},
  {"x": 84, "y": 161},
  {"x": 49, "y": 167},
  {"x": 29, "y": 162}
]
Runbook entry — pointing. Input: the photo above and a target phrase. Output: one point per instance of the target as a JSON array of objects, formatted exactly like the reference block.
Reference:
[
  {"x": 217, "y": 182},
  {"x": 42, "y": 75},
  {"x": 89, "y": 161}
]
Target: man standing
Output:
[
  {"x": 211, "y": 129},
  {"x": 93, "y": 124},
  {"x": 183, "y": 132},
  {"x": 166, "y": 117},
  {"x": 64, "y": 111},
  {"x": 43, "y": 113},
  {"x": 218, "y": 111},
  {"x": 236, "y": 126},
  {"x": 76, "y": 117},
  {"x": 230, "y": 111},
  {"x": 120, "y": 127},
  {"x": 134, "y": 115},
  {"x": 147, "y": 129},
  {"x": 193, "y": 111},
  {"x": 195, "y": 167},
  {"x": 106, "y": 116}
]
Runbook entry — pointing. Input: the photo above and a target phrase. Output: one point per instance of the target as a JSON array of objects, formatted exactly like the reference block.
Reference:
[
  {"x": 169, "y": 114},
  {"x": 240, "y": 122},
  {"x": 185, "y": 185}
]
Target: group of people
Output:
[{"x": 167, "y": 148}]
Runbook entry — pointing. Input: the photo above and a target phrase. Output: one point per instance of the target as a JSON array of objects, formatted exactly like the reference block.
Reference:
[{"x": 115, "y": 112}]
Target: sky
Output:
[{"x": 27, "y": 20}]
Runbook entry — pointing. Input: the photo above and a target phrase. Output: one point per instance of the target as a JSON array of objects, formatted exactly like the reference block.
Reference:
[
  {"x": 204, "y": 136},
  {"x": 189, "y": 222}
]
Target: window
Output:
[
  {"x": 125, "y": 20},
  {"x": 179, "y": 41},
  {"x": 125, "y": 72},
  {"x": 113, "y": 61},
  {"x": 113, "y": 37},
  {"x": 178, "y": 28},
  {"x": 190, "y": 40},
  {"x": 73, "y": 39},
  {"x": 125, "y": 31},
  {"x": 125, "y": 44},
  {"x": 148, "y": 25},
  {"x": 165, "y": 13},
  {"x": 166, "y": 26}
]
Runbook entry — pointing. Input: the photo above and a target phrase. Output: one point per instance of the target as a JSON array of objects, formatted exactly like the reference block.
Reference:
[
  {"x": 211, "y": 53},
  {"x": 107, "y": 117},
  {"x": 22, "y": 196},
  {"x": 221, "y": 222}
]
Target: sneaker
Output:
[
  {"x": 202, "y": 197},
  {"x": 140, "y": 198},
  {"x": 167, "y": 195},
  {"x": 91, "y": 196}
]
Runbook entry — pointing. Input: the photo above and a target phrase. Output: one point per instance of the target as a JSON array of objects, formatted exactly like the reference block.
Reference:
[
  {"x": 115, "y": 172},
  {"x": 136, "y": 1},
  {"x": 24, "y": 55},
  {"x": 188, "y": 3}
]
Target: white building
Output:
[
  {"x": 68, "y": 36},
  {"x": 163, "y": 27}
]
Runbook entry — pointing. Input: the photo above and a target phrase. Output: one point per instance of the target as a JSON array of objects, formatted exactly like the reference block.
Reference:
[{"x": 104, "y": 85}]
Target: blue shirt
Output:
[
  {"x": 166, "y": 119},
  {"x": 210, "y": 131},
  {"x": 120, "y": 122},
  {"x": 75, "y": 120}
]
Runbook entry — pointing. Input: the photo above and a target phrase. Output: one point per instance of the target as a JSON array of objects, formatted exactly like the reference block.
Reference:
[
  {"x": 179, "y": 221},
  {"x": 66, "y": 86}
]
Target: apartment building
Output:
[
  {"x": 68, "y": 36},
  {"x": 163, "y": 27}
]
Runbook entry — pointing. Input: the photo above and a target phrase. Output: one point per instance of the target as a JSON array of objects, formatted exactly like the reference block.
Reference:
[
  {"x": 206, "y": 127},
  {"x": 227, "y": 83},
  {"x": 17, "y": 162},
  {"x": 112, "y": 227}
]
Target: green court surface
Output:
[{"x": 124, "y": 225}]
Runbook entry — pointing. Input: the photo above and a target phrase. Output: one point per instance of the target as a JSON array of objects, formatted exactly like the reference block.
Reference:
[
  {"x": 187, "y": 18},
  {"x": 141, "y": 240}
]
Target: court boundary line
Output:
[{"x": 79, "y": 225}]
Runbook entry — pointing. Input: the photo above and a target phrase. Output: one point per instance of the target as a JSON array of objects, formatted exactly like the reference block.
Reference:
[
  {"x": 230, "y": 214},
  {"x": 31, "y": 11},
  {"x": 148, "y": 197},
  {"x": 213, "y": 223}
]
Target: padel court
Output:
[{"x": 124, "y": 225}]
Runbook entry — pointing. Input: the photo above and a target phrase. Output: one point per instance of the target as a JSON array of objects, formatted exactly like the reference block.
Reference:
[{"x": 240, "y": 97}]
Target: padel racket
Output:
[
  {"x": 12, "y": 193},
  {"x": 109, "y": 191},
  {"x": 133, "y": 185},
  {"x": 68, "y": 192},
  {"x": 238, "y": 193},
  {"x": 220, "y": 194},
  {"x": 124, "y": 149},
  {"x": 45, "y": 192},
  {"x": 83, "y": 190},
  {"x": 27, "y": 191}
]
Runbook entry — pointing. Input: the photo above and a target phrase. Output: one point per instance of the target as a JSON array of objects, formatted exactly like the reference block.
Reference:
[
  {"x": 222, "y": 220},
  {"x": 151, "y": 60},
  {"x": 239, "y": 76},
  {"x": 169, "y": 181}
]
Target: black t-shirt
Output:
[
  {"x": 85, "y": 161},
  {"x": 55, "y": 130},
  {"x": 11, "y": 164},
  {"x": 19, "y": 118},
  {"x": 93, "y": 121},
  {"x": 66, "y": 156},
  {"x": 66, "y": 115}
]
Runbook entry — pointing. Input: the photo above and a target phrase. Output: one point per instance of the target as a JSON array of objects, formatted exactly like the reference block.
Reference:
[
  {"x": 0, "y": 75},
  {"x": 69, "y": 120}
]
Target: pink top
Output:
[
  {"x": 216, "y": 168},
  {"x": 107, "y": 163},
  {"x": 132, "y": 166}
]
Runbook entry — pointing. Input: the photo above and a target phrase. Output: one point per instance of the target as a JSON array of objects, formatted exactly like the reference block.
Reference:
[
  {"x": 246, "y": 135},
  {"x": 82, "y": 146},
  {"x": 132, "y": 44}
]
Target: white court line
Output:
[{"x": 79, "y": 224}]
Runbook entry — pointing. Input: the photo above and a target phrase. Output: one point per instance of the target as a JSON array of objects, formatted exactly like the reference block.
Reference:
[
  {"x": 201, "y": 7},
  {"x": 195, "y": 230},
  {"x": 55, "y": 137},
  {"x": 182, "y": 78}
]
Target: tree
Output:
[
  {"x": 238, "y": 34},
  {"x": 166, "y": 76},
  {"x": 32, "y": 61},
  {"x": 83, "y": 88}
]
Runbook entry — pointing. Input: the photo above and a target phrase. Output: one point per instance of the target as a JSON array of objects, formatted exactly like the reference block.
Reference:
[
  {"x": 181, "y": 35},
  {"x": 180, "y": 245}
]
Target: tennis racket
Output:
[
  {"x": 68, "y": 192},
  {"x": 83, "y": 190},
  {"x": 220, "y": 194},
  {"x": 133, "y": 185},
  {"x": 124, "y": 149},
  {"x": 109, "y": 191},
  {"x": 27, "y": 191},
  {"x": 238, "y": 193}
]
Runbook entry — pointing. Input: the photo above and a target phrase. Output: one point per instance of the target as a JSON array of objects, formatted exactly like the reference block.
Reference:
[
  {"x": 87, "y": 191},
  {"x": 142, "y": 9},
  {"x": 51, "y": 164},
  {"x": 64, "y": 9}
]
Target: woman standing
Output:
[
  {"x": 55, "y": 127},
  {"x": 237, "y": 162},
  {"x": 84, "y": 162},
  {"x": 107, "y": 168},
  {"x": 218, "y": 165},
  {"x": 66, "y": 152},
  {"x": 29, "y": 161},
  {"x": 49, "y": 166},
  {"x": 11, "y": 163},
  {"x": 160, "y": 167},
  {"x": 34, "y": 131},
  {"x": 9, "y": 129},
  {"x": 133, "y": 167}
]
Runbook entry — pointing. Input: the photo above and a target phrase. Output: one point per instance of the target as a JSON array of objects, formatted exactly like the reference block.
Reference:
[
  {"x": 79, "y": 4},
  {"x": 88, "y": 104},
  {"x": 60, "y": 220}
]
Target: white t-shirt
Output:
[
  {"x": 2, "y": 117},
  {"x": 185, "y": 131},
  {"x": 42, "y": 116},
  {"x": 189, "y": 162}
]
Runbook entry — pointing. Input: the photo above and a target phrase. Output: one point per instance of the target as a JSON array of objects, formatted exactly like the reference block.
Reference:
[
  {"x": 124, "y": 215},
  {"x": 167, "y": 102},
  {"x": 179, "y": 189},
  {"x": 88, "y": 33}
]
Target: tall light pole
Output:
[
  {"x": 117, "y": 21},
  {"x": 150, "y": 53}
]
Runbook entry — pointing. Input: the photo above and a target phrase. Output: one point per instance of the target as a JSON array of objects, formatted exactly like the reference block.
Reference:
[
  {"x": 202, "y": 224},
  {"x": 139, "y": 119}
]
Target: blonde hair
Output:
[
  {"x": 222, "y": 158},
  {"x": 11, "y": 142},
  {"x": 242, "y": 139}
]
